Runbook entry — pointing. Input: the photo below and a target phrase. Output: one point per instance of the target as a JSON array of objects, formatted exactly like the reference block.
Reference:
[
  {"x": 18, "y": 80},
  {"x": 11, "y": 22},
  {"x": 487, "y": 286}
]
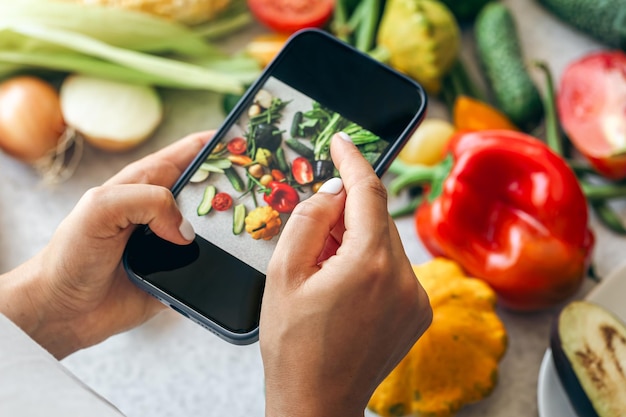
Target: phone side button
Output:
[{"x": 179, "y": 310}]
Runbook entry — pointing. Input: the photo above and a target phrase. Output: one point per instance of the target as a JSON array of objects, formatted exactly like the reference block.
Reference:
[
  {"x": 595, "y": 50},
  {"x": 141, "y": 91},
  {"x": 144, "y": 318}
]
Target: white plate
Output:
[{"x": 551, "y": 397}]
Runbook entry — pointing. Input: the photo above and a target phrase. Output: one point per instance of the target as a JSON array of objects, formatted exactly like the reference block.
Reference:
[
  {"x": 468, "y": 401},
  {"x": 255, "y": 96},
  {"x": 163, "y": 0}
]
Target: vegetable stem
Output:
[
  {"x": 380, "y": 53},
  {"x": 458, "y": 82},
  {"x": 602, "y": 192},
  {"x": 357, "y": 16},
  {"x": 366, "y": 33},
  {"x": 414, "y": 175},
  {"x": 222, "y": 27},
  {"x": 235, "y": 17},
  {"x": 339, "y": 25},
  {"x": 581, "y": 168},
  {"x": 408, "y": 209},
  {"x": 322, "y": 142},
  {"x": 411, "y": 176},
  {"x": 608, "y": 217},
  {"x": 553, "y": 134}
]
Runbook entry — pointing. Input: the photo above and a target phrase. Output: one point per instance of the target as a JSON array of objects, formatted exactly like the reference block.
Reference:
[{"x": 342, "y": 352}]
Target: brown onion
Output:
[{"x": 31, "y": 121}]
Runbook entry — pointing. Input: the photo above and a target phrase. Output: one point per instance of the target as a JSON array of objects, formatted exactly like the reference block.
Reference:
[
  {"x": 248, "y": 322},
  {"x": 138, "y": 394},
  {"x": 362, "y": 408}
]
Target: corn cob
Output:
[{"x": 183, "y": 11}]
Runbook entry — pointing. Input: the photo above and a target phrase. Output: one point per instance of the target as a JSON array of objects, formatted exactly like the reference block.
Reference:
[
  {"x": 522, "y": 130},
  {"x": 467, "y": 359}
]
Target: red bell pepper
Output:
[
  {"x": 511, "y": 212},
  {"x": 281, "y": 196},
  {"x": 302, "y": 170},
  {"x": 591, "y": 103}
]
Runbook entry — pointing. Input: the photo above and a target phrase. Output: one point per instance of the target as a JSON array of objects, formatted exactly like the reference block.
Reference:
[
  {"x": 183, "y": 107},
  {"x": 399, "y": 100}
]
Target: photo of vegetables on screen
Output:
[{"x": 276, "y": 155}]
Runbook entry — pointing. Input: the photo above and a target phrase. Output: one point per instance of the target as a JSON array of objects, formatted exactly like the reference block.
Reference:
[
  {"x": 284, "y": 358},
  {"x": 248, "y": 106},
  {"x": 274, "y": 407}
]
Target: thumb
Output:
[
  {"x": 109, "y": 210},
  {"x": 306, "y": 234}
]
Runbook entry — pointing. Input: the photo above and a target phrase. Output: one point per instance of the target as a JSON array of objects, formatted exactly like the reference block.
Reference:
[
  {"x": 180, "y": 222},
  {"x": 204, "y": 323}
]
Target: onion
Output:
[
  {"x": 110, "y": 115},
  {"x": 31, "y": 121}
]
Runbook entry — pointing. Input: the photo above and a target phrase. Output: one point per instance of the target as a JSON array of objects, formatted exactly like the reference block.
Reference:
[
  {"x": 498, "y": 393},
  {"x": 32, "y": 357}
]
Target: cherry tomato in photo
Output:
[
  {"x": 222, "y": 201},
  {"x": 237, "y": 146},
  {"x": 289, "y": 16},
  {"x": 302, "y": 170}
]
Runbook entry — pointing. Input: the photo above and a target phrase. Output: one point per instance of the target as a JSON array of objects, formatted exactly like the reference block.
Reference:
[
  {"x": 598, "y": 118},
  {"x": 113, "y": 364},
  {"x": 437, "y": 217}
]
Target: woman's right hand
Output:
[{"x": 342, "y": 305}]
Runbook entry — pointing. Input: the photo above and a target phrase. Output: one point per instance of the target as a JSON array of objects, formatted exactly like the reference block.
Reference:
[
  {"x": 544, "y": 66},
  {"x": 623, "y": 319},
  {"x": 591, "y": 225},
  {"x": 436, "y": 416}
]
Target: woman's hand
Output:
[
  {"x": 342, "y": 305},
  {"x": 75, "y": 292}
]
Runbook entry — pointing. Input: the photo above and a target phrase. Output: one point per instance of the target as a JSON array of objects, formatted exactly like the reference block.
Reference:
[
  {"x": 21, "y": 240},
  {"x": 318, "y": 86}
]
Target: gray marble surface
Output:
[{"x": 172, "y": 367}]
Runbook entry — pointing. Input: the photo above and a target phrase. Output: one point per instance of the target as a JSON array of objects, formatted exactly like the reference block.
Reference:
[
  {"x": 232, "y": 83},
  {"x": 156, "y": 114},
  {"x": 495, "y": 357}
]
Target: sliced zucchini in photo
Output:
[{"x": 239, "y": 217}]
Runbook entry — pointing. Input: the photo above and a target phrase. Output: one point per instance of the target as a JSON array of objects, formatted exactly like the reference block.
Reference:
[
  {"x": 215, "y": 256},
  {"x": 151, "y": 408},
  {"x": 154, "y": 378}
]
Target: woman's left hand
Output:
[{"x": 75, "y": 292}]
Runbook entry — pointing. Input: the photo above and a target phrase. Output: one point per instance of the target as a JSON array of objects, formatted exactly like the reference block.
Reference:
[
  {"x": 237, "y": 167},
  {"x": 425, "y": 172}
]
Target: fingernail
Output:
[
  {"x": 344, "y": 136},
  {"x": 332, "y": 186},
  {"x": 186, "y": 230}
]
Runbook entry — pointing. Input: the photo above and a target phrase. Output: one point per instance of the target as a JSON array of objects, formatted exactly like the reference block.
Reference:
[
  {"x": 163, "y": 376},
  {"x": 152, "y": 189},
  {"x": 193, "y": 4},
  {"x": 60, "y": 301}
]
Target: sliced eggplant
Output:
[{"x": 589, "y": 349}]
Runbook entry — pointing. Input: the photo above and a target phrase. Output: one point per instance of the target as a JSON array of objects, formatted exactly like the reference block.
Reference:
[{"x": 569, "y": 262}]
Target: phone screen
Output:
[
  {"x": 271, "y": 153},
  {"x": 276, "y": 155}
]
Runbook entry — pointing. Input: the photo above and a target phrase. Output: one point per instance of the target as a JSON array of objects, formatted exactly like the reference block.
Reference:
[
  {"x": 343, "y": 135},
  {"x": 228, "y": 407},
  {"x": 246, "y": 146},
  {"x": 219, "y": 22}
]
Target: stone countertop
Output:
[{"x": 171, "y": 366}]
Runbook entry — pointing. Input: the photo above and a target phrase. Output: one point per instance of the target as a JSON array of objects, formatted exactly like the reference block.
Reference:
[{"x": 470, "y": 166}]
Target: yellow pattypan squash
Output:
[
  {"x": 420, "y": 38},
  {"x": 456, "y": 361},
  {"x": 263, "y": 223}
]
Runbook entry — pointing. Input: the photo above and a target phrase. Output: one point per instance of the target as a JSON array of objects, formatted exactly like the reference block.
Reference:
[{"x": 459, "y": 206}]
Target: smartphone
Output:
[{"x": 271, "y": 152}]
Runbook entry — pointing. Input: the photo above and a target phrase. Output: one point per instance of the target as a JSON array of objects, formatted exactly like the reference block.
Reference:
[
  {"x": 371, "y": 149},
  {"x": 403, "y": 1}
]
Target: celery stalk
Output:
[
  {"x": 82, "y": 64},
  {"x": 180, "y": 72}
]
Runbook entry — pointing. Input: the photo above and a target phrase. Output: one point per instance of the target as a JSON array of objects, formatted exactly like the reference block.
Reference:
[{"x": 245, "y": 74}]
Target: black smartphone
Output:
[{"x": 271, "y": 152}]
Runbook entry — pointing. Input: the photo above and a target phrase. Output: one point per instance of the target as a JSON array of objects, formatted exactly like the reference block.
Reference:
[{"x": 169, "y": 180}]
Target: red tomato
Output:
[
  {"x": 591, "y": 103},
  {"x": 291, "y": 15},
  {"x": 222, "y": 201},
  {"x": 237, "y": 146},
  {"x": 302, "y": 170}
]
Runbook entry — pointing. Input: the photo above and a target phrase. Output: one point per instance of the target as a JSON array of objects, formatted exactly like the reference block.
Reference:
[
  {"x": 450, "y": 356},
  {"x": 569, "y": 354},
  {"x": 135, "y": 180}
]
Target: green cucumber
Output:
[
  {"x": 603, "y": 20},
  {"x": 216, "y": 165},
  {"x": 500, "y": 53},
  {"x": 207, "y": 198},
  {"x": 295, "y": 124},
  {"x": 281, "y": 160},
  {"x": 239, "y": 217},
  {"x": 234, "y": 178},
  {"x": 300, "y": 148}
]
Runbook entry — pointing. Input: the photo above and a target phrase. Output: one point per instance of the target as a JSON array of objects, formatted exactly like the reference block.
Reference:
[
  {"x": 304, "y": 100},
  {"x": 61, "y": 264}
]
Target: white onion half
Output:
[{"x": 110, "y": 115}]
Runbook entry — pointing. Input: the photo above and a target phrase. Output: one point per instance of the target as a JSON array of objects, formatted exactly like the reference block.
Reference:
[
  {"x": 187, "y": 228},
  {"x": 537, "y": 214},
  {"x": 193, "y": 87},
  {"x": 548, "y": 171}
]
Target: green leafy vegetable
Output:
[{"x": 321, "y": 124}]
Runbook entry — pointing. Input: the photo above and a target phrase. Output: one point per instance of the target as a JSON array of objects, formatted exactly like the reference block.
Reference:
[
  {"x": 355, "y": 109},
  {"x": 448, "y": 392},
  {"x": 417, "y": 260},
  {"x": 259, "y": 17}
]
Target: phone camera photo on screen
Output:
[{"x": 272, "y": 151}]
